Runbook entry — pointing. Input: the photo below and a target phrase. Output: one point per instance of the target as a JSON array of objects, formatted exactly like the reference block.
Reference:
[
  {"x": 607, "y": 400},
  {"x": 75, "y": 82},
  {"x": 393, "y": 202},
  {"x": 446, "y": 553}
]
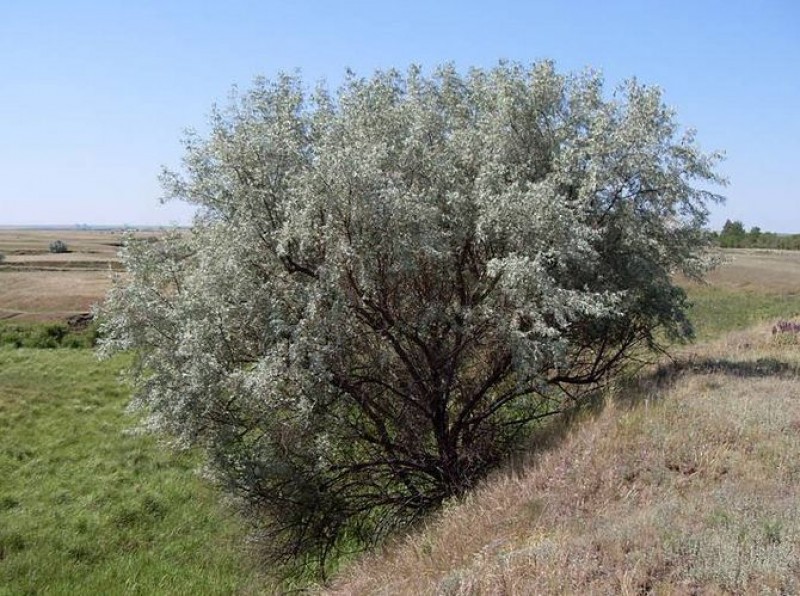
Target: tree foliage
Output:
[
  {"x": 58, "y": 246},
  {"x": 386, "y": 286}
]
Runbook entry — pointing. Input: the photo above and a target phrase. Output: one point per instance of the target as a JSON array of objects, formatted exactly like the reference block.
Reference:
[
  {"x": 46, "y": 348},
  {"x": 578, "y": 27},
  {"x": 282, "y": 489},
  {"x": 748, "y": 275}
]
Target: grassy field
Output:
[
  {"x": 750, "y": 287},
  {"x": 88, "y": 507},
  {"x": 684, "y": 481}
]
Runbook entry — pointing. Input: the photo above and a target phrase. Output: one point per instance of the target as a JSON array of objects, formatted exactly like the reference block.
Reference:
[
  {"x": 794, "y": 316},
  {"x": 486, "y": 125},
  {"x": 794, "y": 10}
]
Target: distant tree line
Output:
[{"x": 734, "y": 235}]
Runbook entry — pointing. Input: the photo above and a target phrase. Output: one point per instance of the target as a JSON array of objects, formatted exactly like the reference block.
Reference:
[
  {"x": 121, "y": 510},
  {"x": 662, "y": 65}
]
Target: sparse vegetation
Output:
[{"x": 791, "y": 328}]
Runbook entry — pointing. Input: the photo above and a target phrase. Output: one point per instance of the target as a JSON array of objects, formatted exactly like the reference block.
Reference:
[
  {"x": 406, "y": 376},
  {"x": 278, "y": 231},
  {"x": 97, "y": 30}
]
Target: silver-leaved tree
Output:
[{"x": 386, "y": 286}]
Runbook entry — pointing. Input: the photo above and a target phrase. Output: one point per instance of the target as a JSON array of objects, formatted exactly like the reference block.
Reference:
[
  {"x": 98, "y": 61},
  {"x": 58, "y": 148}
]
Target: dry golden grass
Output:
[
  {"x": 50, "y": 295},
  {"x": 61, "y": 259},
  {"x": 759, "y": 270},
  {"x": 686, "y": 482},
  {"x": 102, "y": 243}
]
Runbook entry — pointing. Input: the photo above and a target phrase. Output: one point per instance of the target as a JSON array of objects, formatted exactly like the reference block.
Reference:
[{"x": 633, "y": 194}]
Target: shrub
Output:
[
  {"x": 58, "y": 246},
  {"x": 46, "y": 335},
  {"x": 386, "y": 288}
]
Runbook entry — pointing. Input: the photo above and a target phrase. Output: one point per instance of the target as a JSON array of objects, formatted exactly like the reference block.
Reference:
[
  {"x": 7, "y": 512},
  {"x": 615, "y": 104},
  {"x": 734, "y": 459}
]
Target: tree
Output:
[
  {"x": 386, "y": 287},
  {"x": 733, "y": 234},
  {"x": 58, "y": 246}
]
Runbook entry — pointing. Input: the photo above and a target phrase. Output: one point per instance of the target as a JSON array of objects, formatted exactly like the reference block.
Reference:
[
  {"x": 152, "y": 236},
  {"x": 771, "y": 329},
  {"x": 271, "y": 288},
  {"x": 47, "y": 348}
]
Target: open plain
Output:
[{"x": 38, "y": 285}]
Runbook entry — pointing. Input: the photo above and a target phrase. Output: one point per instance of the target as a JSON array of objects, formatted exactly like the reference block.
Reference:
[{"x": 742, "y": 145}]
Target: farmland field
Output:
[
  {"x": 37, "y": 285},
  {"x": 759, "y": 269},
  {"x": 751, "y": 286}
]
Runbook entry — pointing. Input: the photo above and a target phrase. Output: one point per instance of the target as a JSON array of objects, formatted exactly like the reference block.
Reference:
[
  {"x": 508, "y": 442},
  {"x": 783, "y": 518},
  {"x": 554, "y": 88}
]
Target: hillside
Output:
[{"x": 686, "y": 481}]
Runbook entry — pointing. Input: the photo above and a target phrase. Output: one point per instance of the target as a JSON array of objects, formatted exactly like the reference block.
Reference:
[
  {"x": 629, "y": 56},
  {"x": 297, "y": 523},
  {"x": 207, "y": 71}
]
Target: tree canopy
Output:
[{"x": 386, "y": 286}]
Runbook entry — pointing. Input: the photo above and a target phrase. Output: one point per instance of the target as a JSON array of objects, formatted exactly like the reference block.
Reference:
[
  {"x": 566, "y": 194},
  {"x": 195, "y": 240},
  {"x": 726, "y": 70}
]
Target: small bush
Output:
[
  {"x": 50, "y": 336},
  {"x": 46, "y": 336},
  {"x": 790, "y": 327},
  {"x": 786, "y": 332},
  {"x": 58, "y": 246},
  {"x": 2, "y": 257}
]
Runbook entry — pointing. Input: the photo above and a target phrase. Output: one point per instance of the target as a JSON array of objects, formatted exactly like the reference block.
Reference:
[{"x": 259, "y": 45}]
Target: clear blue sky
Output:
[{"x": 94, "y": 94}]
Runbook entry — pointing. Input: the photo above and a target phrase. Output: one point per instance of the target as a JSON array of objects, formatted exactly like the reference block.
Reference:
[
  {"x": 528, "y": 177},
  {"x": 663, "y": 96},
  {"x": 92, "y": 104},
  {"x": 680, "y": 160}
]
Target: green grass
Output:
[
  {"x": 88, "y": 507},
  {"x": 719, "y": 310}
]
